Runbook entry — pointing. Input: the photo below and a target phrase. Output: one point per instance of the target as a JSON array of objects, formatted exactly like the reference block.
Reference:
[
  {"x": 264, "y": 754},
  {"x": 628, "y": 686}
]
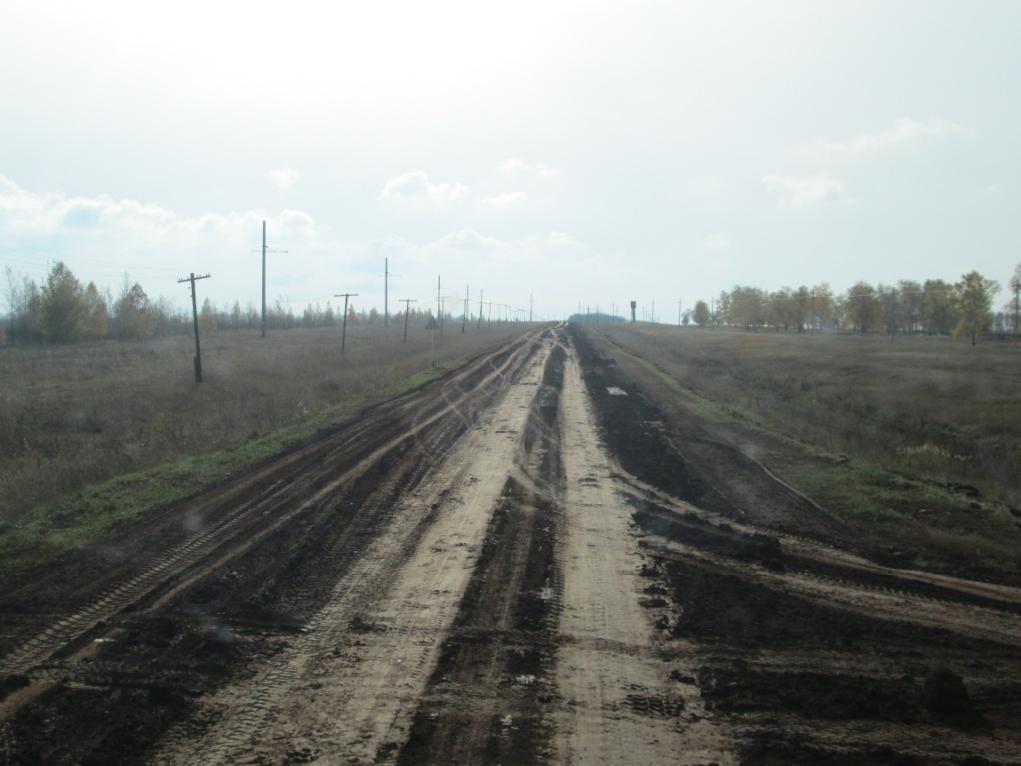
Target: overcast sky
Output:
[{"x": 593, "y": 152}]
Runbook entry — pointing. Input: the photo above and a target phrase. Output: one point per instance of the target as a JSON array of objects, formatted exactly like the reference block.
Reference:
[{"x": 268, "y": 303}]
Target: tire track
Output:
[
  {"x": 608, "y": 669},
  {"x": 345, "y": 685}
]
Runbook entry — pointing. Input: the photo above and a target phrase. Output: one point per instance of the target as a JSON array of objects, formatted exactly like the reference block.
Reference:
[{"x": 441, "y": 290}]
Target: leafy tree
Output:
[
  {"x": 801, "y": 308},
  {"x": 975, "y": 301},
  {"x": 701, "y": 315},
  {"x": 63, "y": 306},
  {"x": 939, "y": 307},
  {"x": 1012, "y": 307},
  {"x": 822, "y": 306},
  {"x": 861, "y": 307},
  {"x": 724, "y": 312},
  {"x": 909, "y": 305},
  {"x": 97, "y": 315},
  {"x": 746, "y": 307},
  {"x": 207, "y": 318},
  {"x": 778, "y": 309},
  {"x": 24, "y": 300},
  {"x": 135, "y": 315}
]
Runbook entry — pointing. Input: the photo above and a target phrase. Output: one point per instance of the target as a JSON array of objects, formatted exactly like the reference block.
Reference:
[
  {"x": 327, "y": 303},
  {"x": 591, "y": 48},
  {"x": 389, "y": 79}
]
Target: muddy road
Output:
[{"x": 525, "y": 561}]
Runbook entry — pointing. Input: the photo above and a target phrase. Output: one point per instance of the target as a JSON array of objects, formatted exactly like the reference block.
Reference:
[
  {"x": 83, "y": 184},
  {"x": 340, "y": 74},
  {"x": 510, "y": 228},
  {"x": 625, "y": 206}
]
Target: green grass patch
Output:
[{"x": 77, "y": 520}]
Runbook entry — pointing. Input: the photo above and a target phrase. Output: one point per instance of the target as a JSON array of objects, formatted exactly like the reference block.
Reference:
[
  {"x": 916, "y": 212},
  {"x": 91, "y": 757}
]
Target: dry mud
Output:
[{"x": 514, "y": 564}]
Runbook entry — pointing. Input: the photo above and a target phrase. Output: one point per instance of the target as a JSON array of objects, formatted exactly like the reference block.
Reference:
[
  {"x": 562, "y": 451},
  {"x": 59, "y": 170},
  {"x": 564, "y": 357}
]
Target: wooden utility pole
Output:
[
  {"x": 1016, "y": 284},
  {"x": 195, "y": 317},
  {"x": 893, "y": 314},
  {"x": 479, "y": 326},
  {"x": 530, "y": 305},
  {"x": 438, "y": 299},
  {"x": 464, "y": 316},
  {"x": 343, "y": 326},
  {"x": 264, "y": 251},
  {"x": 263, "y": 287},
  {"x": 407, "y": 309},
  {"x": 386, "y": 291}
]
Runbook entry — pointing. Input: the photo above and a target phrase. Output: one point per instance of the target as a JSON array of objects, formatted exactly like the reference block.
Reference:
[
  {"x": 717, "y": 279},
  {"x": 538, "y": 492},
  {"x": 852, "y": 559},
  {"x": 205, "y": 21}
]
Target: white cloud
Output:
[
  {"x": 805, "y": 191},
  {"x": 103, "y": 225},
  {"x": 561, "y": 239},
  {"x": 518, "y": 167},
  {"x": 415, "y": 188},
  {"x": 284, "y": 178},
  {"x": 719, "y": 240},
  {"x": 505, "y": 199},
  {"x": 903, "y": 133}
]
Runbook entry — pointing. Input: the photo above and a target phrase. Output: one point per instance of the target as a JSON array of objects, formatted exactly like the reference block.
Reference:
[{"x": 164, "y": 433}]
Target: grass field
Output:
[
  {"x": 915, "y": 444},
  {"x": 934, "y": 407},
  {"x": 77, "y": 415}
]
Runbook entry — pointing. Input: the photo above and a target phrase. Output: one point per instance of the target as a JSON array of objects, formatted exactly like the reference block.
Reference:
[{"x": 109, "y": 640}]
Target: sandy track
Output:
[
  {"x": 620, "y": 705},
  {"x": 348, "y": 687}
]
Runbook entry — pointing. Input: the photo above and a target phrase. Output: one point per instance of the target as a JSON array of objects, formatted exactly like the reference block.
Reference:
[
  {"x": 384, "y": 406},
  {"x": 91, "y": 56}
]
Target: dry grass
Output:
[
  {"x": 71, "y": 416},
  {"x": 932, "y": 407}
]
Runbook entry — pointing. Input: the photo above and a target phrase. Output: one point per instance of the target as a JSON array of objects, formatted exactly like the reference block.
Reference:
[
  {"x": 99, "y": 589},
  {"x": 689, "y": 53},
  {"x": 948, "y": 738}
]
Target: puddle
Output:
[{"x": 615, "y": 391}]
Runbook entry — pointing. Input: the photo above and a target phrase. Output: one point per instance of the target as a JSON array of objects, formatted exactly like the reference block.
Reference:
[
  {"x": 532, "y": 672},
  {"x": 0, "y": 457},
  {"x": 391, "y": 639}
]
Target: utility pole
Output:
[
  {"x": 479, "y": 327},
  {"x": 1016, "y": 284},
  {"x": 199, "y": 375},
  {"x": 813, "y": 310},
  {"x": 464, "y": 317},
  {"x": 386, "y": 292},
  {"x": 530, "y": 305},
  {"x": 264, "y": 251},
  {"x": 407, "y": 308},
  {"x": 652, "y": 314},
  {"x": 893, "y": 314},
  {"x": 195, "y": 317},
  {"x": 438, "y": 301},
  {"x": 678, "y": 312},
  {"x": 343, "y": 326}
]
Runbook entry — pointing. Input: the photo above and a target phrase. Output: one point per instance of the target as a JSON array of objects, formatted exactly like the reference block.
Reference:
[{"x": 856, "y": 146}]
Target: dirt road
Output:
[{"x": 480, "y": 571}]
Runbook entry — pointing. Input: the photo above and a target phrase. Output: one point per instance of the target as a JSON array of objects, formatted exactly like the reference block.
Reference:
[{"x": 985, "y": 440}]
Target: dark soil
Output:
[
  {"x": 502, "y": 648},
  {"x": 153, "y": 662},
  {"x": 851, "y": 666}
]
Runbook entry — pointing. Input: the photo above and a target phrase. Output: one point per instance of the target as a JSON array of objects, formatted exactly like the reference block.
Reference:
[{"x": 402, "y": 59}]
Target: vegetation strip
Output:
[{"x": 79, "y": 519}]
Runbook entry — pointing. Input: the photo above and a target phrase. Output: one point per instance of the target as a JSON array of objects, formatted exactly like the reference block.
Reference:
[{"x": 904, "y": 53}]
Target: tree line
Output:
[
  {"x": 934, "y": 307},
  {"x": 64, "y": 310}
]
